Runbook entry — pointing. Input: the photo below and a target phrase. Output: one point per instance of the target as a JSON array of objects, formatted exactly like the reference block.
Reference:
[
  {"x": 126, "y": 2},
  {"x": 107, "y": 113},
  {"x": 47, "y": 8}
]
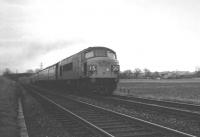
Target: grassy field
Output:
[
  {"x": 8, "y": 109},
  {"x": 184, "y": 90}
]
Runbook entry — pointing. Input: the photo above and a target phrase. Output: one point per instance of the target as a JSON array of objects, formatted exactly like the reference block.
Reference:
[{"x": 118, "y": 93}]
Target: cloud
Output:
[
  {"x": 35, "y": 49},
  {"x": 143, "y": 30},
  {"x": 16, "y": 2},
  {"x": 13, "y": 18},
  {"x": 18, "y": 47},
  {"x": 17, "y": 53}
]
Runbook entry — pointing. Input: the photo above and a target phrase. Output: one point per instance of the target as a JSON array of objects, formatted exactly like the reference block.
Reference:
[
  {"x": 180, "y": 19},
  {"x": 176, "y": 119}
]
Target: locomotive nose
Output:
[
  {"x": 105, "y": 71},
  {"x": 104, "y": 68}
]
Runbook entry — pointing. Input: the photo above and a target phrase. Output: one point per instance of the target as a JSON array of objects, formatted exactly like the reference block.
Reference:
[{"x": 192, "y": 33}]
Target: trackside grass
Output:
[
  {"x": 8, "y": 109},
  {"x": 187, "y": 90}
]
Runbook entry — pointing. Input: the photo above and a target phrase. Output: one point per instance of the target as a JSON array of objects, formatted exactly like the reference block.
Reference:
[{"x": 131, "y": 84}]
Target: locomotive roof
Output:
[
  {"x": 91, "y": 48},
  {"x": 85, "y": 50}
]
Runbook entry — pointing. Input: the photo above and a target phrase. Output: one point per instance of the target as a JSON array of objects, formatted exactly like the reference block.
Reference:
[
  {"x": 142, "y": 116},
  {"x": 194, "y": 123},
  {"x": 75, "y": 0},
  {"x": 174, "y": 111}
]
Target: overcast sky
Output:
[{"x": 156, "y": 34}]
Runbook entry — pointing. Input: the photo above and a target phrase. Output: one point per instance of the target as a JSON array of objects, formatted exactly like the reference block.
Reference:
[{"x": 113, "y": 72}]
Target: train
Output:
[{"x": 95, "y": 69}]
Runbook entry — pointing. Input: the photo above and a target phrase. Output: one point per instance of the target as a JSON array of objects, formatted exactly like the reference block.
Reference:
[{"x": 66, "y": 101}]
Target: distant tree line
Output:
[
  {"x": 7, "y": 72},
  {"x": 137, "y": 73},
  {"x": 15, "y": 76},
  {"x": 147, "y": 74}
]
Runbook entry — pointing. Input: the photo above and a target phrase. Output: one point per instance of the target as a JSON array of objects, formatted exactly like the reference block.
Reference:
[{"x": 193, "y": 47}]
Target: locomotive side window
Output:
[
  {"x": 111, "y": 55},
  {"x": 85, "y": 68},
  {"x": 60, "y": 70},
  {"x": 68, "y": 67},
  {"x": 89, "y": 54}
]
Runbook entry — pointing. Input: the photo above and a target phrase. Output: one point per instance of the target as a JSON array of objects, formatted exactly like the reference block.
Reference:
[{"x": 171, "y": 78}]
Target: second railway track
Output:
[
  {"x": 176, "y": 108},
  {"x": 193, "y": 108},
  {"x": 113, "y": 123}
]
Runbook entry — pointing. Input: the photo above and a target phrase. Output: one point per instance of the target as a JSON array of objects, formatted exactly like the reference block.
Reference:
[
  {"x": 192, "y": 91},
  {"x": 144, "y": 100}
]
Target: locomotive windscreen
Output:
[
  {"x": 111, "y": 55},
  {"x": 100, "y": 53}
]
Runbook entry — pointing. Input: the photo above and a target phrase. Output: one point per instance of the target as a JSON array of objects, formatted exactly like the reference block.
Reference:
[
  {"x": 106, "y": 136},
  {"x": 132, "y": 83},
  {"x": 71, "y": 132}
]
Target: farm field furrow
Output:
[{"x": 175, "y": 90}]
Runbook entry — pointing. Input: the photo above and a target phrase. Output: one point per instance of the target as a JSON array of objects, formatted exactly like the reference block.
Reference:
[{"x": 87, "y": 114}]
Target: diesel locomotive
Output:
[{"x": 95, "y": 69}]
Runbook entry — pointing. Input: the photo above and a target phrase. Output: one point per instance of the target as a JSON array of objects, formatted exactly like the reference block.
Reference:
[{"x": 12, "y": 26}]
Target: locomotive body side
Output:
[{"x": 69, "y": 68}]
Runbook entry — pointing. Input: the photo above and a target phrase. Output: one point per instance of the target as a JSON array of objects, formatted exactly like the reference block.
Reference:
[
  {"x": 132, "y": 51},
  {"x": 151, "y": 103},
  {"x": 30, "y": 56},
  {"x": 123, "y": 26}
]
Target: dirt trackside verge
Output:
[
  {"x": 39, "y": 123},
  {"x": 8, "y": 108}
]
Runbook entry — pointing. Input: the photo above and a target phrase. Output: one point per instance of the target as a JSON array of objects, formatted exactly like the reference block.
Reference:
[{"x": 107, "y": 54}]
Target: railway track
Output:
[
  {"x": 106, "y": 122},
  {"x": 74, "y": 124},
  {"x": 184, "y": 109}
]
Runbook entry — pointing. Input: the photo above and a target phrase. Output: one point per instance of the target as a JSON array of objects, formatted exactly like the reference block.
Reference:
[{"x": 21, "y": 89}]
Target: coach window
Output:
[
  {"x": 111, "y": 55},
  {"x": 89, "y": 54}
]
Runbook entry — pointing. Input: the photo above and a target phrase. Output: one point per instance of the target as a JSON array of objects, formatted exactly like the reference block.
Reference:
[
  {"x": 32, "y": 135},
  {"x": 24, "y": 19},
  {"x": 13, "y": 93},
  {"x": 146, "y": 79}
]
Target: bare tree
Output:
[
  {"x": 147, "y": 73},
  {"x": 36, "y": 70},
  {"x": 30, "y": 71},
  {"x": 137, "y": 72},
  {"x": 127, "y": 74},
  {"x": 197, "y": 72},
  {"x": 7, "y": 72},
  {"x": 155, "y": 75}
]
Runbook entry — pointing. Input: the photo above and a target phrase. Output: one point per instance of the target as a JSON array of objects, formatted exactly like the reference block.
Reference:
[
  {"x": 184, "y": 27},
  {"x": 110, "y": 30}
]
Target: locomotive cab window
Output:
[
  {"x": 89, "y": 54},
  {"x": 111, "y": 55},
  {"x": 100, "y": 53},
  {"x": 68, "y": 67}
]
